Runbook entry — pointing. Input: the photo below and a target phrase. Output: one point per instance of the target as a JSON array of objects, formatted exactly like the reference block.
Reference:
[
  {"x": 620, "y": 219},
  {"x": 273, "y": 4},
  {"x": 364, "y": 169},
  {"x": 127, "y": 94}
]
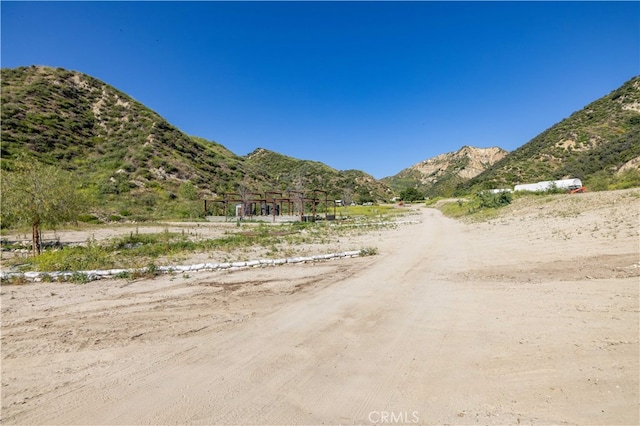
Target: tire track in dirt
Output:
[{"x": 280, "y": 359}]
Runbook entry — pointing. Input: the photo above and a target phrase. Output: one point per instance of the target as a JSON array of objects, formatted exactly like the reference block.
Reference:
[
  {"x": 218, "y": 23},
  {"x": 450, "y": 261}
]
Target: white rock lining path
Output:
[{"x": 92, "y": 275}]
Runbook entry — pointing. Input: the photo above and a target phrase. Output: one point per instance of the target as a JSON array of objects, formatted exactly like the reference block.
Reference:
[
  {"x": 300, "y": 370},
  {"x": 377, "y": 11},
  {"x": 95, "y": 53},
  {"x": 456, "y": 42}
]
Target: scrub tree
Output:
[
  {"x": 36, "y": 195},
  {"x": 411, "y": 194}
]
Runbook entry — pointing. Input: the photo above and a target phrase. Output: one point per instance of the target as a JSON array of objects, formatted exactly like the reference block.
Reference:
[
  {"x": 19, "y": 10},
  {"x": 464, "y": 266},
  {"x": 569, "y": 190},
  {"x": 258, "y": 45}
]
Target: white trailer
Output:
[{"x": 568, "y": 184}]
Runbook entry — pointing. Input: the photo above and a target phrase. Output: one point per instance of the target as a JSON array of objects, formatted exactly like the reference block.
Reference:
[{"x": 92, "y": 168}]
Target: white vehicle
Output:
[{"x": 568, "y": 184}]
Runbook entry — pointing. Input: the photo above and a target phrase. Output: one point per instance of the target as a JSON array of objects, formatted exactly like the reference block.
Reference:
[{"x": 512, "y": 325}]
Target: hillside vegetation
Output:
[
  {"x": 597, "y": 144},
  {"x": 123, "y": 154},
  {"x": 291, "y": 173},
  {"x": 127, "y": 159}
]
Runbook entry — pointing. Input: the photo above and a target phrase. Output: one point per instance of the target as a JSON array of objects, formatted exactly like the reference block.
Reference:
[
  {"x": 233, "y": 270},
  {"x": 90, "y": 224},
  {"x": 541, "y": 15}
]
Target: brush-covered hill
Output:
[
  {"x": 289, "y": 173},
  {"x": 441, "y": 175},
  {"x": 595, "y": 144},
  {"x": 125, "y": 155},
  {"x": 113, "y": 143}
]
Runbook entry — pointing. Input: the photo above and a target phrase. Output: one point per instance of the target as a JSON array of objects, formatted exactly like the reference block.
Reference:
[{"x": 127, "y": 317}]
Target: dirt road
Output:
[{"x": 451, "y": 323}]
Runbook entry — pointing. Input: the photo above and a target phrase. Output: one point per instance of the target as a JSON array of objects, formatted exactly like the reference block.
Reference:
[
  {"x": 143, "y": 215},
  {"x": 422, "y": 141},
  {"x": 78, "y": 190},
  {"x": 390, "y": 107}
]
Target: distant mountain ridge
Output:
[
  {"x": 470, "y": 162},
  {"x": 288, "y": 173},
  {"x": 443, "y": 173}
]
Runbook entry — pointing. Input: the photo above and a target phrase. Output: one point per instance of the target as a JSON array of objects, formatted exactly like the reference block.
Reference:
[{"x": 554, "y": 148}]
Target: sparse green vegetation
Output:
[
  {"x": 456, "y": 209},
  {"x": 602, "y": 181},
  {"x": 480, "y": 206},
  {"x": 140, "y": 250},
  {"x": 379, "y": 211}
]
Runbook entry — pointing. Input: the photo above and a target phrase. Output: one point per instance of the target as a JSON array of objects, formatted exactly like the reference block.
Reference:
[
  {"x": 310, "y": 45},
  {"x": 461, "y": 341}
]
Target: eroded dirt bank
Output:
[{"x": 529, "y": 318}]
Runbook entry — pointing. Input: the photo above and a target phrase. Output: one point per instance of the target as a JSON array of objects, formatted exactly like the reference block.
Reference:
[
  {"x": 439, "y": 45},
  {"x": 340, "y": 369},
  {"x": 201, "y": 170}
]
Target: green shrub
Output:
[
  {"x": 411, "y": 194},
  {"x": 79, "y": 278},
  {"x": 123, "y": 275},
  {"x": 188, "y": 191},
  {"x": 73, "y": 259},
  {"x": 627, "y": 179},
  {"x": 14, "y": 280},
  {"x": 88, "y": 218},
  {"x": 369, "y": 251},
  {"x": 491, "y": 200},
  {"x": 598, "y": 181}
]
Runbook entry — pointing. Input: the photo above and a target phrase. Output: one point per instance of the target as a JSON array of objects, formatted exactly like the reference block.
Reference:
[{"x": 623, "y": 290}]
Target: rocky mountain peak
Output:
[{"x": 465, "y": 163}]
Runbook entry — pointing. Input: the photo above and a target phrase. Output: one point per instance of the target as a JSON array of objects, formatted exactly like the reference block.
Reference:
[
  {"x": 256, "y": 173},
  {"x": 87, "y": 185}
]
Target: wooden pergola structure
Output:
[{"x": 274, "y": 203}]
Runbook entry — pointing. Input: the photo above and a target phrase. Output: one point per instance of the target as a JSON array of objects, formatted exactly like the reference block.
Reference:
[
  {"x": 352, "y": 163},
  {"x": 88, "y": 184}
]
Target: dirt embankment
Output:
[{"x": 529, "y": 318}]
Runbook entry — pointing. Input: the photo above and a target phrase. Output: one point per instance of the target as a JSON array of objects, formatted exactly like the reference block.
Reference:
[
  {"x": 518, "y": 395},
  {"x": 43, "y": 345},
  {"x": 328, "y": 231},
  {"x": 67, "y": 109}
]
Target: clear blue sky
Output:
[{"x": 375, "y": 86}]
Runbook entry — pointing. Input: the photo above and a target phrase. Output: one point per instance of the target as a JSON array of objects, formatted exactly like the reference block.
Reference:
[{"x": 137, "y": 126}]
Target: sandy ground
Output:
[{"x": 532, "y": 317}]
